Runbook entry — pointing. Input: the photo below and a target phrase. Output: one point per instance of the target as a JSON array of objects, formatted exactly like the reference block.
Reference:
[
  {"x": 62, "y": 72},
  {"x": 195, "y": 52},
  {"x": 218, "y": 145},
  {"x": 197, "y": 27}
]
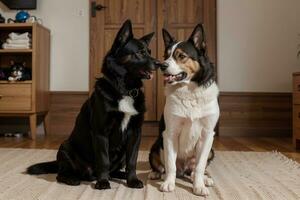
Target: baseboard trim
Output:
[
  {"x": 69, "y": 92},
  {"x": 255, "y": 114},
  {"x": 242, "y": 114},
  {"x": 257, "y": 94}
]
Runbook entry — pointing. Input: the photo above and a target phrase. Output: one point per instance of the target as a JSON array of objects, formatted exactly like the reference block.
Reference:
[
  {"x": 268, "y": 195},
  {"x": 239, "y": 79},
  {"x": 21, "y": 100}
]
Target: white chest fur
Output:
[
  {"x": 191, "y": 101},
  {"x": 126, "y": 106}
]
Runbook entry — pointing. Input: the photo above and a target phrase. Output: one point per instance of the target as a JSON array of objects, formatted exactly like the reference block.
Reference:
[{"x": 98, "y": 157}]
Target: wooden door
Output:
[
  {"x": 103, "y": 29},
  {"x": 180, "y": 17}
]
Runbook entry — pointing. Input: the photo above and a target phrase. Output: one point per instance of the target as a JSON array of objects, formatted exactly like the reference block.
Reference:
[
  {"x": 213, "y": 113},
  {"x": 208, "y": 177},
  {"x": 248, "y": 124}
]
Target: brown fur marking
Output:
[{"x": 186, "y": 63}]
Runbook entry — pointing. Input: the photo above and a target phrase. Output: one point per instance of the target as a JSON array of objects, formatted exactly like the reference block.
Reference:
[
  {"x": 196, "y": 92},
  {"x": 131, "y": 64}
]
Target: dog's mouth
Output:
[
  {"x": 147, "y": 74},
  {"x": 169, "y": 78}
]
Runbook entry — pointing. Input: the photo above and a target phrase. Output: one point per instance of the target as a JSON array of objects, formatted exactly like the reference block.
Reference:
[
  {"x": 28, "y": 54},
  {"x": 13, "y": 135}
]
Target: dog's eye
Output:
[{"x": 182, "y": 56}]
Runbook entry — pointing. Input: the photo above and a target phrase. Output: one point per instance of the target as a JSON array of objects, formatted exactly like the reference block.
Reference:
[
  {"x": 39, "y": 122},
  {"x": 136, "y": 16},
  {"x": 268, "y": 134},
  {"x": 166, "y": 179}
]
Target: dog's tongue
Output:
[
  {"x": 169, "y": 78},
  {"x": 151, "y": 76}
]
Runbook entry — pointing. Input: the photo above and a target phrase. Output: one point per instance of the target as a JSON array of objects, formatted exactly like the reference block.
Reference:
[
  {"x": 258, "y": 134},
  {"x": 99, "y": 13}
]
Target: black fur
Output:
[{"x": 97, "y": 149}]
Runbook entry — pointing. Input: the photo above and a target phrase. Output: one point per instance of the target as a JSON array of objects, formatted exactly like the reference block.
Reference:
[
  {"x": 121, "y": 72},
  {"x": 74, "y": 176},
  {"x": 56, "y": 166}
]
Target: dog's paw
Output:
[
  {"x": 102, "y": 184},
  {"x": 154, "y": 175},
  {"x": 135, "y": 183},
  {"x": 201, "y": 191},
  {"x": 167, "y": 186},
  {"x": 209, "y": 182}
]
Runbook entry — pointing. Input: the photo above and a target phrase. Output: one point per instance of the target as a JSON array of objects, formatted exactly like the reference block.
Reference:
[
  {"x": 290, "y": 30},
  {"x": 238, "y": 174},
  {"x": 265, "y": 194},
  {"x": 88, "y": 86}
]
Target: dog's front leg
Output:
[
  {"x": 101, "y": 146},
  {"x": 203, "y": 148},
  {"x": 133, "y": 143},
  {"x": 170, "y": 138}
]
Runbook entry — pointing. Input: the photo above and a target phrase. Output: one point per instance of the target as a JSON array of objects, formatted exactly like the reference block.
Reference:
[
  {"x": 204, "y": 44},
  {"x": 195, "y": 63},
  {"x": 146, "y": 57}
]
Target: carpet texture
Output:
[{"x": 237, "y": 175}]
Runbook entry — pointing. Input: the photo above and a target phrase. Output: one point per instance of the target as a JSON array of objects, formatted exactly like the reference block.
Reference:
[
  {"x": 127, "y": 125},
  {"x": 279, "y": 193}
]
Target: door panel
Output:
[
  {"x": 103, "y": 29},
  {"x": 187, "y": 12},
  {"x": 118, "y": 10}
]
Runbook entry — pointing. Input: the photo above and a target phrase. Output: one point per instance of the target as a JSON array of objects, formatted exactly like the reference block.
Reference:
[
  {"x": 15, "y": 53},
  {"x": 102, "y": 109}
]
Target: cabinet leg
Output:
[
  {"x": 46, "y": 123},
  {"x": 32, "y": 119}
]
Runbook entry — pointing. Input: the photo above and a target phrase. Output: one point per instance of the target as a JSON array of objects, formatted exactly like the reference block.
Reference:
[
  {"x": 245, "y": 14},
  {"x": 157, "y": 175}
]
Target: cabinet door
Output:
[
  {"x": 180, "y": 17},
  {"x": 103, "y": 28}
]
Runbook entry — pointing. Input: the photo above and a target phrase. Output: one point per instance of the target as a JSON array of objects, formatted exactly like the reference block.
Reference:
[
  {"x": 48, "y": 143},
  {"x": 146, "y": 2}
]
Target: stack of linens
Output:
[{"x": 18, "y": 41}]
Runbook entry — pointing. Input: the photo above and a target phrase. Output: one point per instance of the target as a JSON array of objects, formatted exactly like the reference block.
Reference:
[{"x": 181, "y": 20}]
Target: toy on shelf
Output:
[
  {"x": 2, "y": 75},
  {"x": 19, "y": 72},
  {"x": 2, "y": 19},
  {"x": 23, "y": 17}
]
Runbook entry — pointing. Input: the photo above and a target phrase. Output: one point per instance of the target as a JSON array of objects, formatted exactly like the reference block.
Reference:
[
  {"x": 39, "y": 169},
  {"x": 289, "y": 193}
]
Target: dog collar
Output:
[{"x": 133, "y": 93}]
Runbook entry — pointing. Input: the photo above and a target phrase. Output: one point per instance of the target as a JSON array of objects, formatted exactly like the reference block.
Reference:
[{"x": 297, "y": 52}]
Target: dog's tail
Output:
[
  {"x": 43, "y": 168},
  {"x": 211, "y": 156}
]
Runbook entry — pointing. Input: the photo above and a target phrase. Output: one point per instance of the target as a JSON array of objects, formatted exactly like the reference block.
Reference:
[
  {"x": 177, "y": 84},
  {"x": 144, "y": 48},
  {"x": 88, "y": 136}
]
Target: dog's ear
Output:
[
  {"x": 168, "y": 39},
  {"x": 123, "y": 36},
  {"x": 198, "y": 37},
  {"x": 147, "y": 38}
]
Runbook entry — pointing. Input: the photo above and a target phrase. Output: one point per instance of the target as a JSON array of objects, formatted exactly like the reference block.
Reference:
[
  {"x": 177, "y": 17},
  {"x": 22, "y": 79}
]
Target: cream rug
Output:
[{"x": 237, "y": 175}]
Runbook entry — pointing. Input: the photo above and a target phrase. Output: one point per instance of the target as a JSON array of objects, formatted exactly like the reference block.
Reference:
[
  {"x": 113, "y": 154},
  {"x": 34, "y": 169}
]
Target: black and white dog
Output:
[
  {"x": 107, "y": 131},
  {"x": 190, "y": 115}
]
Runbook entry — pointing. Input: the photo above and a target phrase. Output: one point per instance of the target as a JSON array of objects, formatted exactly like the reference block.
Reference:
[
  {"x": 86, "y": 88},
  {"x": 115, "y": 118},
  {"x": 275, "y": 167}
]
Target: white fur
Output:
[
  {"x": 173, "y": 68},
  {"x": 191, "y": 113},
  {"x": 126, "y": 106}
]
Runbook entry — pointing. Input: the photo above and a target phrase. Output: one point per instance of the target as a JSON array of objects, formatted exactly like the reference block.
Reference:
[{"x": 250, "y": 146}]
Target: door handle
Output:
[{"x": 96, "y": 7}]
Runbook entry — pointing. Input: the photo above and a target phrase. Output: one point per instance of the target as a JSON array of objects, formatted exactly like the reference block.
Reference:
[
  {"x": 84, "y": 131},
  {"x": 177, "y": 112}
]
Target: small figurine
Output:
[
  {"x": 22, "y": 16},
  {"x": 19, "y": 72},
  {"x": 2, "y": 74},
  {"x": 2, "y": 19}
]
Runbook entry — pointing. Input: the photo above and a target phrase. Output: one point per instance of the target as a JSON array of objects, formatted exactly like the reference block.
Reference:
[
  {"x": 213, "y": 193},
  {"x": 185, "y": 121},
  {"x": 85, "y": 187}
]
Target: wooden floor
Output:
[{"x": 283, "y": 145}]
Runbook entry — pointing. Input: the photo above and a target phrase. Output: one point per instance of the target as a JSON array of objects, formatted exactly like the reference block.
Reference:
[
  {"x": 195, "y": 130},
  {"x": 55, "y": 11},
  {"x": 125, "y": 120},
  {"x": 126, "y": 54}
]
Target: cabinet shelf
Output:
[
  {"x": 16, "y": 82},
  {"x": 15, "y": 51}
]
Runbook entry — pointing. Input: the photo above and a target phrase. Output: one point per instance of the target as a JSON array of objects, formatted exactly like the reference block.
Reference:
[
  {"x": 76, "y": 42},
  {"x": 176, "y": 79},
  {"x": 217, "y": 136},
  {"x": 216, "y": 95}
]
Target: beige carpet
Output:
[{"x": 237, "y": 175}]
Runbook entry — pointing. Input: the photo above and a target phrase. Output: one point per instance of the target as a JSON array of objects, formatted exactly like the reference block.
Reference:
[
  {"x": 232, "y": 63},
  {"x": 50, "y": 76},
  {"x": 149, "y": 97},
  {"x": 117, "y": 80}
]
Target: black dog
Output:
[{"x": 107, "y": 132}]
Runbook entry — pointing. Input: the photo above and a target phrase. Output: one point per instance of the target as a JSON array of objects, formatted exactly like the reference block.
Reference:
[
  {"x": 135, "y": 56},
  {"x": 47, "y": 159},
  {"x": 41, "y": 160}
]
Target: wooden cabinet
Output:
[
  {"x": 296, "y": 109},
  {"x": 178, "y": 16},
  {"x": 28, "y": 98}
]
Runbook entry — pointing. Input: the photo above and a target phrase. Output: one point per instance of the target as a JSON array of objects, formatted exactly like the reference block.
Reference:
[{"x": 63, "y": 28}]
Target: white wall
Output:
[
  {"x": 257, "y": 44},
  {"x": 69, "y": 41}
]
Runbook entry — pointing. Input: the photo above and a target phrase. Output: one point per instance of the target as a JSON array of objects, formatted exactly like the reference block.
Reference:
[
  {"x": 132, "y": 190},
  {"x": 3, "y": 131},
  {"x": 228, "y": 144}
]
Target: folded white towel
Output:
[
  {"x": 15, "y": 46},
  {"x": 24, "y": 41},
  {"x": 19, "y": 36}
]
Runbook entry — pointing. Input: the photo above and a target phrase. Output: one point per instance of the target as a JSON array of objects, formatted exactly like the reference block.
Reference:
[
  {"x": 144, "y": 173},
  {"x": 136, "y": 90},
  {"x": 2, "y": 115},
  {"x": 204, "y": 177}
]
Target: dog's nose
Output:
[
  {"x": 157, "y": 64},
  {"x": 163, "y": 66}
]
